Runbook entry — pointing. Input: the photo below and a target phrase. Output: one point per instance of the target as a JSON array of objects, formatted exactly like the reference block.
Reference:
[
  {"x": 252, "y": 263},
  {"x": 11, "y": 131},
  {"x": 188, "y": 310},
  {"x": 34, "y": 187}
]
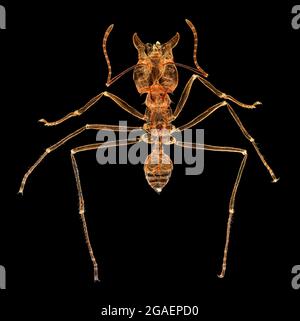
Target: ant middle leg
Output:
[
  {"x": 244, "y": 131},
  {"x": 67, "y": 138}
]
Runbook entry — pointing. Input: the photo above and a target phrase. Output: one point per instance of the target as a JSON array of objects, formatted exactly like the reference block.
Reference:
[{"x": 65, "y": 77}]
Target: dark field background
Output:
[{"x": 152, "y": 249}]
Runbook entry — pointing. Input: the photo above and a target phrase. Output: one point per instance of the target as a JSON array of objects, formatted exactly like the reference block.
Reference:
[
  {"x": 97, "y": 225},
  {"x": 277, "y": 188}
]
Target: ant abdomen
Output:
[{"x": 158, "y": 169}]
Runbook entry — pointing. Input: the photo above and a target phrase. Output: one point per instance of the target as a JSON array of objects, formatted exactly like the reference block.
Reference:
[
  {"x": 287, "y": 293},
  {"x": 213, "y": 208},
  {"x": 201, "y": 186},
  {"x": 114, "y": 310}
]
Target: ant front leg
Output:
[
  {"x": 80, "y": 194},
  {"x": 186, "y": 92},
  {"x": 224, "y": 96},
  {"x": 234, "y": 190},
  {"x": 120, "y": 102}
]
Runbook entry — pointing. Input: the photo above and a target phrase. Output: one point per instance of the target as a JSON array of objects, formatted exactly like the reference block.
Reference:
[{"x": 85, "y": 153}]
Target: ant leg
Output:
[
  {"x": 234, "y": 190},
  {"x": 212, "y": 109},
  {"x": 252, "y": 141},
  {"x": 202, "y": 116},
  {"x": 186, "y": 92},
  {"x": 65, "y": 139},
  {"x": 74, "y": 113},
  {"x": 224, "y": 96},
  {"x": 121, "y": 103},
  {"x": 80, "y": 195},
  {"x": 91, "y": 102}
]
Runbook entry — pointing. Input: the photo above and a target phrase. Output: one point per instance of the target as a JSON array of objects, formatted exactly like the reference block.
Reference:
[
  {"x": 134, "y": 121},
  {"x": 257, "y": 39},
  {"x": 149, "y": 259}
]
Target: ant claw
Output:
[
  {"x": 257, "y": 103},
  {"x": 44, "y": 121}
]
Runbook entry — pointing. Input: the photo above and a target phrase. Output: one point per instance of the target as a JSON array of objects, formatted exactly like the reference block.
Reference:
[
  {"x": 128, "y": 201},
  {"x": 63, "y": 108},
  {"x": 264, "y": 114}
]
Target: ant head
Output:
[{"x": 156, "y": 50}]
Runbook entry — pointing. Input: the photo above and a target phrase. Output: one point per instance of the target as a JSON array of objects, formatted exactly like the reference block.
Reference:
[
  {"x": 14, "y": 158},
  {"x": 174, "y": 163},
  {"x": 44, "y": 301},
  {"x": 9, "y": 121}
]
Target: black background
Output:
[{"x": 152, "y": 249}]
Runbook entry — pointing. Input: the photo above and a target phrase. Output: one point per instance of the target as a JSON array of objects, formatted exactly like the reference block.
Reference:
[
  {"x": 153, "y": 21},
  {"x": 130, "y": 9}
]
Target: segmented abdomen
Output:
[{"x": 158, "y": 170}]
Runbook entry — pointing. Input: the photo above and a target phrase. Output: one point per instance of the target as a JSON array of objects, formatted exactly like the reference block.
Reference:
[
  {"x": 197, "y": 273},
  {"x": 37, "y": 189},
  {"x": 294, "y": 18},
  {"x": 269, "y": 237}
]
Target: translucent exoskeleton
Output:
[{"x": 155, "y": 74}]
